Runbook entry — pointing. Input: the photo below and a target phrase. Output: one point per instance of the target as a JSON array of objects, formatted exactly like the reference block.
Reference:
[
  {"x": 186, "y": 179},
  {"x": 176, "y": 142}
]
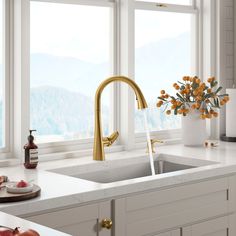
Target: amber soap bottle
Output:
[{"x": 31, "y": 152}]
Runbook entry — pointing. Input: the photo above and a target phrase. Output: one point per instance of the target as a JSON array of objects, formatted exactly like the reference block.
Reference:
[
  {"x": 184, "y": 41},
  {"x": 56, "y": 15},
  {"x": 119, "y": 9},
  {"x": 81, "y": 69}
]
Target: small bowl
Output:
[{"x": 12, "y": 188}]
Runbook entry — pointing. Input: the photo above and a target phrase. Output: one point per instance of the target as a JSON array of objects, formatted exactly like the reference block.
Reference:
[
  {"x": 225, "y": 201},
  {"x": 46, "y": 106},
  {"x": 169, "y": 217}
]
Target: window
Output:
[
  {"x": 179, "y": 2},
  {"x": 4, "y": 76},
  {"x": 1, "y": 73},
  {"x": 70, "y": 56},
  {"x": 64, "y": 49},
  {"x": 163, "y": 54}
]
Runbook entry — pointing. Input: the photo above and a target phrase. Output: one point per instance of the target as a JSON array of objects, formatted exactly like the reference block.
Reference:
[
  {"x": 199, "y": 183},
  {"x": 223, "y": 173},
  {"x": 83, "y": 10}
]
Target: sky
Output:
[
  {"x": 70, "y": 30},
  {"x": 1, "y": 16}
]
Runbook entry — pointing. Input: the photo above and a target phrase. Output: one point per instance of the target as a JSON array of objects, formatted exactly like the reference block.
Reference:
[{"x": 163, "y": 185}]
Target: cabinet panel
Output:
[
  {"x": 216, "y": 227},
  {"x": 222, "y": 226},
  {"x": 170, "y": 233},
  {"x": 153, "y": 212},
  {"x": 77, "y": 221}
]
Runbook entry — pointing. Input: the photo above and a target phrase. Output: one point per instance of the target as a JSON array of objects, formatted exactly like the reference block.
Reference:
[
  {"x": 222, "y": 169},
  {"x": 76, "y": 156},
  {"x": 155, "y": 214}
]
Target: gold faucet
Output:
[
  {"x": 99, "y": 141},
  {"x": 153, "y": 141}
]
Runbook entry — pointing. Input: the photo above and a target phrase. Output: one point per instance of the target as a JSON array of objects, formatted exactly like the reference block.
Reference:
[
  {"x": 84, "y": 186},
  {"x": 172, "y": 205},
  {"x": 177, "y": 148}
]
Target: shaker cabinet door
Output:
[
  {"x": 170, "y": 233},
  {"x": 78, "y": 221},
  {"x": 223, "y": 226}
]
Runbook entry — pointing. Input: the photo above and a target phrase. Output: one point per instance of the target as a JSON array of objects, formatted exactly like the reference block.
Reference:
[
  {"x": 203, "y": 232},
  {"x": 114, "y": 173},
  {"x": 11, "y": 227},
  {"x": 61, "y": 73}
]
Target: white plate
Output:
[{"x": 11, "y": 188}]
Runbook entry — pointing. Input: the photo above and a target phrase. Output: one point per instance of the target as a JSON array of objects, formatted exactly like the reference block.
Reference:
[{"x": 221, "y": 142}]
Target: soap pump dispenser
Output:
[{"x": 31, "y": 152}]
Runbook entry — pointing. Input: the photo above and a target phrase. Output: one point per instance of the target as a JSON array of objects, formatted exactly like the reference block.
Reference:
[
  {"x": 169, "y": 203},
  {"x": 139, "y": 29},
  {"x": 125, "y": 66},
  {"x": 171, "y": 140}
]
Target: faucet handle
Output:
[
  {"x": 108, "y": 141},
  {"x": 153, "y": 141}
]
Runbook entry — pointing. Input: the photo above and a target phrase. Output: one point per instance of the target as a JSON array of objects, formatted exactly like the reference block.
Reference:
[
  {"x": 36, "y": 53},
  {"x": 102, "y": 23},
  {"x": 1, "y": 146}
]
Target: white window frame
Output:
[
  {"x": 73, "y": 145},
  {"x": 5, "y": 152},
  {"x": 122, "y": 100},
  {"x": 175, "y": 134}
]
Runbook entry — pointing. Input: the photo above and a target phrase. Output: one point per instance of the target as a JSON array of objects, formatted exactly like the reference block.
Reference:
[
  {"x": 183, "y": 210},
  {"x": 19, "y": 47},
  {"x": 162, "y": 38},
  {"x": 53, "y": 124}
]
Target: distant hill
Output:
[
  {"x": 62, "y": 95},
  {"x": 58, "y": 111}
]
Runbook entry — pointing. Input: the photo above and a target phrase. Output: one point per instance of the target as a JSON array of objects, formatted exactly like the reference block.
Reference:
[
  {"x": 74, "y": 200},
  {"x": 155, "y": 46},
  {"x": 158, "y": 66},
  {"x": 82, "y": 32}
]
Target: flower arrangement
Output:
[{"x": 193, "y": 94}]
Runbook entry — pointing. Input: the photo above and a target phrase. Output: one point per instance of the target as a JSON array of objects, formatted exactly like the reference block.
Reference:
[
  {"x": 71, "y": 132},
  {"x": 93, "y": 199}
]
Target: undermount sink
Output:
[{"x": 132, "y": 168}]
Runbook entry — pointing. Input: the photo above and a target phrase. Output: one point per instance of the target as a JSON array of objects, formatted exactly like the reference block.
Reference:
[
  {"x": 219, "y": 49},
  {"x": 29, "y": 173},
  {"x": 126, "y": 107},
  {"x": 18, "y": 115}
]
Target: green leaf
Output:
[
  {"x": 180, "y": 97},
  {"x": 218, "y": 90},
  {"x": 163, "y": 99},
  {"x": 181, "y": 83},
  {"x": 223, "y": 95},
  {"x": 176, "y": 111}
]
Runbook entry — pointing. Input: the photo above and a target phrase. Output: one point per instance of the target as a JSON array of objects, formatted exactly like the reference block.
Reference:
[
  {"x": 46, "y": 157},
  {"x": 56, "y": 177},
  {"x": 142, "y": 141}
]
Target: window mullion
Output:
[
  {"x": 21, "y": 74},
  {"x": 127, "y": 69},
  {"x": 151, "y": 6}
]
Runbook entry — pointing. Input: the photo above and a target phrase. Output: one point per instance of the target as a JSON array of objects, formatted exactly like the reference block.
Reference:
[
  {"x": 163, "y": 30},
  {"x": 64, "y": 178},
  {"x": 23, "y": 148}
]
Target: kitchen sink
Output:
[{"x": 132, "y": 168}]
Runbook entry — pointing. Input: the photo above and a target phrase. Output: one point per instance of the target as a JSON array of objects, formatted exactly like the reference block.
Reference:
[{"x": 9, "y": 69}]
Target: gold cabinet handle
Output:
[{"x": 106, "y": 223}]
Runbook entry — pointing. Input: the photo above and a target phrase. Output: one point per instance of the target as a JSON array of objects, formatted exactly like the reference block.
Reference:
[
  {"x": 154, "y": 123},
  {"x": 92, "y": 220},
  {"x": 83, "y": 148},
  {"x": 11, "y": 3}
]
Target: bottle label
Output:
[{"x": 33, "y": 156}]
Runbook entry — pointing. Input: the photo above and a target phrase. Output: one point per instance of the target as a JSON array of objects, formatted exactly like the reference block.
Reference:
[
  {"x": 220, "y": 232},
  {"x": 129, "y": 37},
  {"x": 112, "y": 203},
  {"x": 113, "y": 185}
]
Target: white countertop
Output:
[
  {"x": 13, "y": 222},
  {"x": 60, "y": 191}
]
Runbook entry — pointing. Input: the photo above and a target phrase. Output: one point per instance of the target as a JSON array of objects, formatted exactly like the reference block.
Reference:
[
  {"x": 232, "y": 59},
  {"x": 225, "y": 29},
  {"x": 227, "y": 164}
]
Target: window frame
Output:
[
  {"x": 82, "y": 144},
  {"x": 7, "y": 79},
  {"x": 122, "y": 98},
  {"x": 175, "y": 134}
]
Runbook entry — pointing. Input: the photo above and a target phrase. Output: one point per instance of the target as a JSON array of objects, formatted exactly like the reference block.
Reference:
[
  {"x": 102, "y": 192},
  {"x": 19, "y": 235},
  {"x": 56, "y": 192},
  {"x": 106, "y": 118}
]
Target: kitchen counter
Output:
[
  {"x": 12, "y": 222},
  {"x": 60, "y": 191}
]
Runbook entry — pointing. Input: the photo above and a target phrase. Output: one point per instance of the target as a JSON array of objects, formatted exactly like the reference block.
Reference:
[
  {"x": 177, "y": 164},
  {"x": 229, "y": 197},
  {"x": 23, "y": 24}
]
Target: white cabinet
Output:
[
  {"x": 78, "y": 221},
  {"x": 206, "y": 209},
  {"x": 159, "y": 211},
  {"x": 223, "y": 226},
  {"x": 171, "y": 233}
]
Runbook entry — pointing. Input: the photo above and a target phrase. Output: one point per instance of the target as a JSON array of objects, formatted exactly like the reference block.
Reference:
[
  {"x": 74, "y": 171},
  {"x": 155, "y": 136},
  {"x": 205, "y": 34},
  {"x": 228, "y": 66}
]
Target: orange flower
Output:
[
  {"x": 203, "y": 117},
  {"x": 168, "y": 112},
  {"x": 226, "y": 98},
  {"x": 209, "y": 90},
  {"x": 198, "y": 105},
  {"x": 159, "y": 103},
  {"x": 222, "y": 102},
  {"x": 215, "y": 114},
  {"x": 187, "y": 91},
  {"x": 179, "y": 103},
  {"x": 208, "y": 116},
  {"x": 163, "y": 91},
  {"x": 211, "y": 79}
]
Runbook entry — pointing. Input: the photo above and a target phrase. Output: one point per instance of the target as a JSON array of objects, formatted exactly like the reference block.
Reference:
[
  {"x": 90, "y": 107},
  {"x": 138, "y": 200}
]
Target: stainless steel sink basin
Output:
[
  {"x": 131, "y": 172},
  {"x": 132, "y": 168}
]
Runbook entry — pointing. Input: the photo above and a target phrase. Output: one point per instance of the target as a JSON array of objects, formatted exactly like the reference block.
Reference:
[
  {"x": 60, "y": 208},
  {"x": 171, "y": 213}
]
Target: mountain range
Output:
[{"x": 62, "y": 96}]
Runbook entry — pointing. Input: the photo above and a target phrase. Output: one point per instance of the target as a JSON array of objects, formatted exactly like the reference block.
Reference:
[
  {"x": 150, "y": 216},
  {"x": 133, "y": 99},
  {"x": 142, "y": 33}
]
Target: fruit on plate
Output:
[
  {"x": 5, "y": 231},
  {"x": 29, "y": 232},
  {"x": 22, "y": 184}
]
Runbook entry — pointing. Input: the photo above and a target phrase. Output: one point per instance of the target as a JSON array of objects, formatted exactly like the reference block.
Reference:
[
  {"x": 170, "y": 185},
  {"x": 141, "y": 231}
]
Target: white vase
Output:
[{"x": 193, "y": 129}]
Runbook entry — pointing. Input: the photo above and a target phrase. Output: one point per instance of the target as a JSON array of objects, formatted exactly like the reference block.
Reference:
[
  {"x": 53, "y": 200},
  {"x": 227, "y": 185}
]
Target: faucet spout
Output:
[{"x": 99, "y": 140}]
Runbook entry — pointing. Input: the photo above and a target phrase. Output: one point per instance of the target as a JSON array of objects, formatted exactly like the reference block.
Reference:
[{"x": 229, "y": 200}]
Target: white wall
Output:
[{"x": 226, "y": 49}]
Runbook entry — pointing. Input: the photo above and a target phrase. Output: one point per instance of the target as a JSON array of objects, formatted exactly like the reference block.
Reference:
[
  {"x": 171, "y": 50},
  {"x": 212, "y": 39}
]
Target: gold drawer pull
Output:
[
  {"x": 106, "y": 223},
  {"x": 161, "y": 5}
]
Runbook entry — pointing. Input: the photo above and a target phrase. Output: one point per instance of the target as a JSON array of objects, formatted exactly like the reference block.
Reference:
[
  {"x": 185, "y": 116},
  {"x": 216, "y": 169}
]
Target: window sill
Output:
[{"x": 77, "y": 153}]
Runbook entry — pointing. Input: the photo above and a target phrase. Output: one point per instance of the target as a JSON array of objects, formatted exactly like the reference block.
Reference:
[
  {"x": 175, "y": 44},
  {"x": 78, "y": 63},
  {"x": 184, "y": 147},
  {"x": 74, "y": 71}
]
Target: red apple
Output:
[
  {"x": 29, "y": 232},
  {"x": 22, "y": 184},
  {"x": 4, "y": 231}
]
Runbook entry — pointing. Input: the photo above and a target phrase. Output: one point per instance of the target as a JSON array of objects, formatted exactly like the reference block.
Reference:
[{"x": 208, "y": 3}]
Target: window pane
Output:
[
  {"x": 162, "y": 56},
  {"x": 1, "y": 75},
  {"x": 178, "y": 2},
  {"x": 70, "y": 50}
]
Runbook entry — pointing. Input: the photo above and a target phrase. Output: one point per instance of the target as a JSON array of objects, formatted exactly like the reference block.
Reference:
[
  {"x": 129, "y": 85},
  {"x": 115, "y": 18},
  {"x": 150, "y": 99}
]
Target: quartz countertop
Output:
[
  {"x": 59, "y": 191},
  {"x": 13, "y": 222}
]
